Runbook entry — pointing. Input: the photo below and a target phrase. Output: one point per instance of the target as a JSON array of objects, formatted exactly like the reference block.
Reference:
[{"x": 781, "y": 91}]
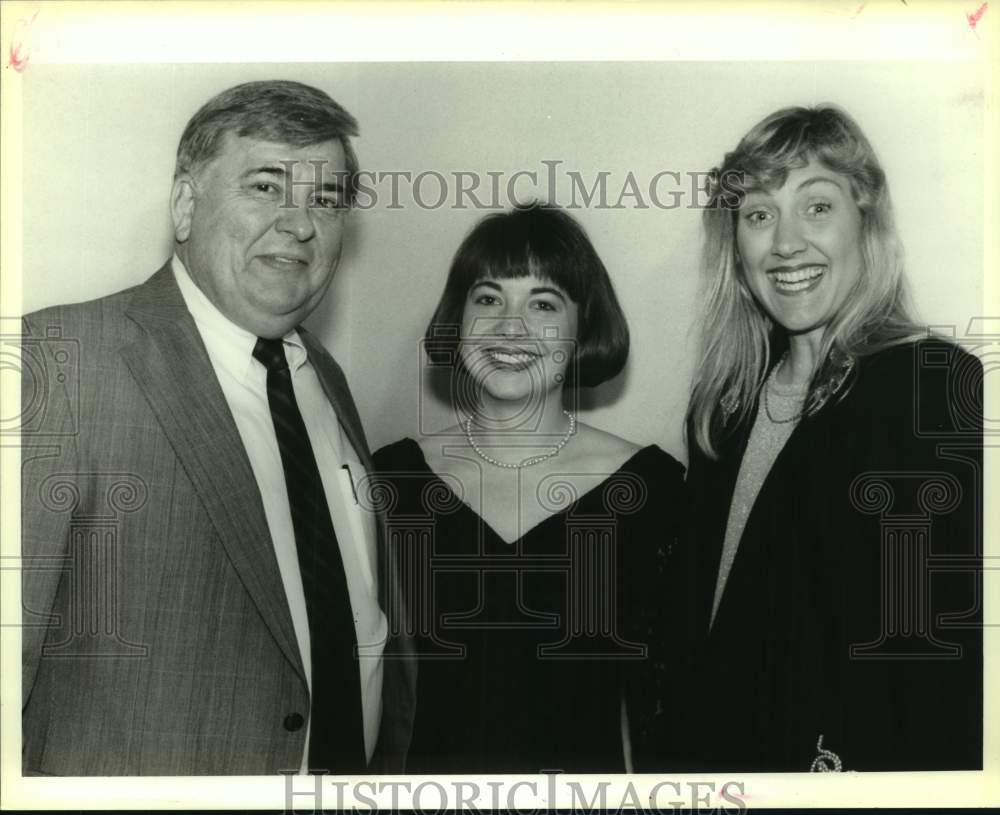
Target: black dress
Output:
[
  {"x": 853, "y": 609},
  {"x": 526, "y": 649}
]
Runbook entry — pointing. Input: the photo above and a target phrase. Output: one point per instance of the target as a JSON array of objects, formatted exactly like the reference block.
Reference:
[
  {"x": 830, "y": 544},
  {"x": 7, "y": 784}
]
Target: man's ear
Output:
[{"x": 182, "y": 206}]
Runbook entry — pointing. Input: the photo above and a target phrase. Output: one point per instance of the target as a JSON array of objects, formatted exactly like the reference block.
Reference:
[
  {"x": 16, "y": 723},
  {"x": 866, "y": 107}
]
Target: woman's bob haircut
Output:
[
  {"x": 738, "y": 340},
  {"x": 547, "y": 242}
]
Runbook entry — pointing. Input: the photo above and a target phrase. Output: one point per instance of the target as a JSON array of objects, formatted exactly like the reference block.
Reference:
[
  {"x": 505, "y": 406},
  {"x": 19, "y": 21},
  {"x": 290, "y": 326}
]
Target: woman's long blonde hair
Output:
[{"x": 737, "y": 336}]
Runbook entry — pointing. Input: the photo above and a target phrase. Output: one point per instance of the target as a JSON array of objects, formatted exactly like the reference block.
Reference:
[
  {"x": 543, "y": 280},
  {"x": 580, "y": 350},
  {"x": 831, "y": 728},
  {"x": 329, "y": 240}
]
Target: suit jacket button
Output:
[{"x": 293, "y": 722}]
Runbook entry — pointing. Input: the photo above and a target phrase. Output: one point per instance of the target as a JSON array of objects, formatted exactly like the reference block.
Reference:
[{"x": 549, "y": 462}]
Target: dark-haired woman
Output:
[
  {"x": 531, "y": 544},
  {"x": 831, "y": 574}
]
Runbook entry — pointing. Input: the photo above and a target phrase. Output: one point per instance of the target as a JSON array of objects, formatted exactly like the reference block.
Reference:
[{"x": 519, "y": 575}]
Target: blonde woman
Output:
[{"x": 829, "y": 579}]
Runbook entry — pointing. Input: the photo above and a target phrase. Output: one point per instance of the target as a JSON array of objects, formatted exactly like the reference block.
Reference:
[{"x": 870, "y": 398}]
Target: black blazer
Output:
[{"x": 853, "y": 608}]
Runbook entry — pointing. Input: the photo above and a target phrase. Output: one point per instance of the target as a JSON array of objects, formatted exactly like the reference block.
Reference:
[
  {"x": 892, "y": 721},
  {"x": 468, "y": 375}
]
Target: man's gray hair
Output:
[{"x": 274, "y": 110}]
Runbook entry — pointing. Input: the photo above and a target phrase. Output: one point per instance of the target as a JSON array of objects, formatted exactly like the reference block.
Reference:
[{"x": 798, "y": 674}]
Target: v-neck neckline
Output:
[{"x": 529, "y": 532}]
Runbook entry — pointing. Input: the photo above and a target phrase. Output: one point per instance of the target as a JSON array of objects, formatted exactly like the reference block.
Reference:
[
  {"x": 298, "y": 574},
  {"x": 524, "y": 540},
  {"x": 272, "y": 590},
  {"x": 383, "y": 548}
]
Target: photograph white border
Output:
[{"x": 167, "y": 32}]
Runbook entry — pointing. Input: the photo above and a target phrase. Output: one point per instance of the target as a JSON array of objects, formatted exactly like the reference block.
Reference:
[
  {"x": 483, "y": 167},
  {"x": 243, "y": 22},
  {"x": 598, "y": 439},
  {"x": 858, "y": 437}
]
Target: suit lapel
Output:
[
  {"x": 336, "y": 390},
  {"x": 335, "y": 387},
  {"x": 171, "y": 366},
  {"x": 400, "y": 672}
]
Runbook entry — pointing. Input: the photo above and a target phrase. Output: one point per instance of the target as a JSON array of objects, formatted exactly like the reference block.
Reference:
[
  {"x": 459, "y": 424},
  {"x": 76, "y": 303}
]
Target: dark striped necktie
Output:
[{"x": 337, "y": 736}]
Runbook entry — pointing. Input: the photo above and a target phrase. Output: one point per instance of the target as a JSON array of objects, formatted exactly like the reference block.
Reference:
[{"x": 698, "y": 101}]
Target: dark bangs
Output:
[{"x": 534, "y": 240}]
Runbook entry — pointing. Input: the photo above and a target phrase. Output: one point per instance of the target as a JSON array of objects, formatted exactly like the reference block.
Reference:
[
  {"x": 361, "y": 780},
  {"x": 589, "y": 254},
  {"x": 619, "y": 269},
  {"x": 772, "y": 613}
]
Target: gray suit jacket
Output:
[{"x": 157, "y": 634}]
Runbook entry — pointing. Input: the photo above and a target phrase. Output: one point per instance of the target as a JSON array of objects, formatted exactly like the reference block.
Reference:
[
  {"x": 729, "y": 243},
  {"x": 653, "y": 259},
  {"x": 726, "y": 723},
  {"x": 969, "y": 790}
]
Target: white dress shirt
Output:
[{"x": 244, "y": 383}]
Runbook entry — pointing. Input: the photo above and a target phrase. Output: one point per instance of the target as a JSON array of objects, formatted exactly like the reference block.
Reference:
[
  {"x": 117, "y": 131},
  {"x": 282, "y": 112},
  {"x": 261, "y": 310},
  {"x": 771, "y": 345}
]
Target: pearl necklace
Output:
[{"x": 528, "y": 462}]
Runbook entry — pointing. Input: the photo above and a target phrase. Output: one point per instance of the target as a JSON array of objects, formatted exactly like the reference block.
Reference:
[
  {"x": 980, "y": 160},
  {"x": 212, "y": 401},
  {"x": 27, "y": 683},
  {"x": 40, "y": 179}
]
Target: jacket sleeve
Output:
[
  {"x": 50, "y": 481},
  {"x": 914, "y": 698},
  {"x": 647, "y": 689}
]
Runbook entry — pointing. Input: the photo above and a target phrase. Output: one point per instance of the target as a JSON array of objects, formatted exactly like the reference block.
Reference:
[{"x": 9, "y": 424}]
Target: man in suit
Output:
[{"x": 202, "y": 592}]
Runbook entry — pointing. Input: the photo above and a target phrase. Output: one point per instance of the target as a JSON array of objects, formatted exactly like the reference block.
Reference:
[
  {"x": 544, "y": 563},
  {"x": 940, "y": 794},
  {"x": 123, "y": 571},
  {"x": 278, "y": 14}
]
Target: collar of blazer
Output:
[{"x": 334, "y": 384}]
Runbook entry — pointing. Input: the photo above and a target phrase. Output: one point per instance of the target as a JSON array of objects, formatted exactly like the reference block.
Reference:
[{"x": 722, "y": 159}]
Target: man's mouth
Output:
[
  {"x": 792, "y": 280},
  {"x": 284, "y": 261}
]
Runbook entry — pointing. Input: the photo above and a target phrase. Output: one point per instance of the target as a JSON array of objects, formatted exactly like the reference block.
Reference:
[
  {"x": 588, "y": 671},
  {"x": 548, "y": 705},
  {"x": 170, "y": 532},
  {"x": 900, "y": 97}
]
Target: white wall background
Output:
[{"x": 100, "y": 141}]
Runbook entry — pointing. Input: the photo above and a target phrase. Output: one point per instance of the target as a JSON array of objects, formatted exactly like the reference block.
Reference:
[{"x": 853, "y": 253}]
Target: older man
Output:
[{"x": 202, "y": 592}]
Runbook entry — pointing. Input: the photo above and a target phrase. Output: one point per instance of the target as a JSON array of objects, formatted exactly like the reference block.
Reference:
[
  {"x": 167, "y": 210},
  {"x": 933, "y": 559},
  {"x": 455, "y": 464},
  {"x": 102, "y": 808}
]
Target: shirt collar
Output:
[{"x": 229, "y": 346}]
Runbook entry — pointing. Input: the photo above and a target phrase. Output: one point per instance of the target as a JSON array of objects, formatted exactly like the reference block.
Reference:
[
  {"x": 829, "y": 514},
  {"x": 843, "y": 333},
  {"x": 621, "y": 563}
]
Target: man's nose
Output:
[
  {"x": 788, "y": 238},
  {"x": 296, "y": 221}
]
